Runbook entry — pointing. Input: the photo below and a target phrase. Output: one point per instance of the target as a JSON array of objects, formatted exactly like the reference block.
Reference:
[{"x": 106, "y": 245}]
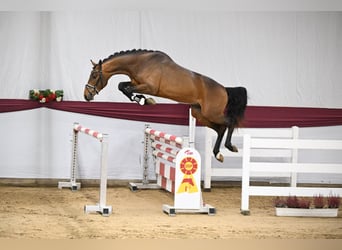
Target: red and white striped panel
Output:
[
  {"x": 163, "y": 140},
  {"x": 166, "y": 176},
  {"x": 165, "y": 148},
  {"x": 164, "y": 135},
  {"x": 162, "y": 155},
  {"x": 88, "y": 131}
]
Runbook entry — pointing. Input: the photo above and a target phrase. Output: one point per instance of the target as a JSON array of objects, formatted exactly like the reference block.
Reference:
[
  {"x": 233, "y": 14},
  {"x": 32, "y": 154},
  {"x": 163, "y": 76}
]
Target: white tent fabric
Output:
[
  {"x": 295, "y": 56},
  {"x": 282, "y": 58}
]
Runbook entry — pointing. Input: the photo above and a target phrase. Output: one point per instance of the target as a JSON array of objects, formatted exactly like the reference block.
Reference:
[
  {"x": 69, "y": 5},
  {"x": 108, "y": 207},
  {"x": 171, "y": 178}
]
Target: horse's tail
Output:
[{"x": 236, "y": 106}]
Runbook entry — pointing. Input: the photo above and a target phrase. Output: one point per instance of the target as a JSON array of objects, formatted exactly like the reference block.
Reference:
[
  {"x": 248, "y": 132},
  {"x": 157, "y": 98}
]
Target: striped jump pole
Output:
[
  {"x": 88, "y": 131},
  {"x": 100, "y": 207}
]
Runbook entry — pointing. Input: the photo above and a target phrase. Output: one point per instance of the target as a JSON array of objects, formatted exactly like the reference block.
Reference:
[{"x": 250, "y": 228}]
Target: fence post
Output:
[
  {"x": 192, "y": 130},
  {"x": 295, "y": 136},
  {"x": 207, "y": 159},
  {"x": 72, "y": 184},
  {"x": 245, "y": 174},
  {"x": 104, "y": 157}
]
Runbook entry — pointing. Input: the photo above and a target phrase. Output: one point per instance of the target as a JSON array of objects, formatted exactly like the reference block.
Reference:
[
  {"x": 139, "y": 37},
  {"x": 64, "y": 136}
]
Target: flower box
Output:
[
  {"x": 300, "y": 207},
  {"x": 46, "y": 95},
  {"x": 310, "y": 212}
]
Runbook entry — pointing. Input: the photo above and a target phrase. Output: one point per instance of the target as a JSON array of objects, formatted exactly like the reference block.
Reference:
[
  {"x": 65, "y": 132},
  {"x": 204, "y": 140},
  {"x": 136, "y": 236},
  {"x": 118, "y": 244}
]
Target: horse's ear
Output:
[
  {"x": 100, "y": 62},
  {"x": 93, "y": 62}
]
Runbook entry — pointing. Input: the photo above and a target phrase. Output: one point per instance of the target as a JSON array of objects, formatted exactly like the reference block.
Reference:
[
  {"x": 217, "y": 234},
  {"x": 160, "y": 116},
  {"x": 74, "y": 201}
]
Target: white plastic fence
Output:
[
  {"x": 268, "y": 167},
  {"x": 221, "y": 170}
]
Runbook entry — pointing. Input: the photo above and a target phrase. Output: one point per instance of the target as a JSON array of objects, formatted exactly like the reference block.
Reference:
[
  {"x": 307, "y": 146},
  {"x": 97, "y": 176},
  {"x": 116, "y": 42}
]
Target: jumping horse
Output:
[{"x": 155, "y": 73}]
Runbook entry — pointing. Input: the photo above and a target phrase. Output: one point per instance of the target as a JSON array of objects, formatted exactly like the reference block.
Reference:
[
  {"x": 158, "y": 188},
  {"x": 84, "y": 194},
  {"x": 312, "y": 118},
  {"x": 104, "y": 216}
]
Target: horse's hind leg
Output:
[
  {"x": 220, "y": 130},
  {"x": 228, "y": 144}
]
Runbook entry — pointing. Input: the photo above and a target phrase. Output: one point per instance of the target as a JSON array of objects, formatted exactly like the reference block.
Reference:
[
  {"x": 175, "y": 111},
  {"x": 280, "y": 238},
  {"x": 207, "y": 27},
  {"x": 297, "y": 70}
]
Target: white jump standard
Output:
[
  {"x": 72, "y": 183},
  {"x": 101, "y": 207},
  {"x": 178, "y": 170}
]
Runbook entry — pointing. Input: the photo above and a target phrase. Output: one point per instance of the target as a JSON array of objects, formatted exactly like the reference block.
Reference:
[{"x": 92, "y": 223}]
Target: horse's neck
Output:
[{"x": 119, "y": 65}]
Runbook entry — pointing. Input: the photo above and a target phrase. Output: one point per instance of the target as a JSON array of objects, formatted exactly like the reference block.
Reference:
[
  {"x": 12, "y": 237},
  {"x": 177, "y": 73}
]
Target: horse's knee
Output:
[
  {"x": 127, "y": 89},
  {"x": 121, "y": 85}
]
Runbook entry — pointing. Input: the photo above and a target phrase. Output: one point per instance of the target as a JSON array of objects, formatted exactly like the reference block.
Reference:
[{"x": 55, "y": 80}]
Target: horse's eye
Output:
[{"x": 94, "y": 75}]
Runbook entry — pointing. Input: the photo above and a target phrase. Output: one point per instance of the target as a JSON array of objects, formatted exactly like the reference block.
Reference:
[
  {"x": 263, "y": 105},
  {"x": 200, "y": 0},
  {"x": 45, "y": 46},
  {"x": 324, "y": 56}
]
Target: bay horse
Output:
[{"x": 155, "y": 73}]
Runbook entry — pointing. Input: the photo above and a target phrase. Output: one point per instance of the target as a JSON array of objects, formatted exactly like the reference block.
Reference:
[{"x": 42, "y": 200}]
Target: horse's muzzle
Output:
[{"x": 88, "y": 97}]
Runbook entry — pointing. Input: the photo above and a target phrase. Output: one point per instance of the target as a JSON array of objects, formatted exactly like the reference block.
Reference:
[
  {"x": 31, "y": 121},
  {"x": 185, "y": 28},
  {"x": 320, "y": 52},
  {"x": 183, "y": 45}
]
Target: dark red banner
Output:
[{"x": 255, "y": 116}]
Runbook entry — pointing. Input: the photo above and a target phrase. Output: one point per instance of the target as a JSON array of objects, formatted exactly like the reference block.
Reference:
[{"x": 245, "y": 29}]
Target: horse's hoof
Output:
[
  {"x": 219, "y": 157},
  {"x": 233, "y": 148},
  {"x": 142, "y": 101},
  {"x": 150, "y": 101}
]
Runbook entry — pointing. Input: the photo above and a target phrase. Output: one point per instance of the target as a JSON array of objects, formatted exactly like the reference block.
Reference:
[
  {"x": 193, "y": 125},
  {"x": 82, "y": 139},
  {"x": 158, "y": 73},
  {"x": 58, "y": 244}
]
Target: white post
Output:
[
  {"x": 207, "y": 159},
  {"x": 186, "y": 142},
  {"x": 295, "y": 135},
  {"x": 192, "y": 129},
  {"x": 245, "y": 174},
  {"x": 147, "y": 143},
  {"x": 74, "y": 164},
  {"x": 74, "y": 158},
  {"x": 101, "y": 207},
  {"x": 103, "y": 184}
]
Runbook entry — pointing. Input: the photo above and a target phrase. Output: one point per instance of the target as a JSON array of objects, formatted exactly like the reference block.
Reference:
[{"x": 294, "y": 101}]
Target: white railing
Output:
[
  {"x": 268, "y": 167},
  {"x": 226, "y": 170}
]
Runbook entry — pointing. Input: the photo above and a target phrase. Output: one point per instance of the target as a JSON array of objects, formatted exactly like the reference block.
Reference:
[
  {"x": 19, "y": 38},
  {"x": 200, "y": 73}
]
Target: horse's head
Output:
[{"x": 95, "y": 83}]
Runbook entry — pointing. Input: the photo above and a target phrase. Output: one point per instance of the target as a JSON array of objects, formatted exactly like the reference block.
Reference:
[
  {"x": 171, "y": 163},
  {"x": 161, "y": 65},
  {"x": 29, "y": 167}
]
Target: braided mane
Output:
[{"x": 127, "y": 52}]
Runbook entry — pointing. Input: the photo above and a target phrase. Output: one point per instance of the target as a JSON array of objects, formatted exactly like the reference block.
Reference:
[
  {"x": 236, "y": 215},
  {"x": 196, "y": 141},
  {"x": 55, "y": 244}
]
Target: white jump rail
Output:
[
  {"x": 227, "y": 169},
  {"x": 250, "y": 166},
  {"x": 101, "y": 207}
]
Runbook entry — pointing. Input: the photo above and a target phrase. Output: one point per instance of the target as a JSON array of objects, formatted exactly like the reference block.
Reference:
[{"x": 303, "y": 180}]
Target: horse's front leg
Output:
[
  {"x": 146, "y": 88},
  {"x": 228, "y": 144},
  {"x": 127, "y": 88}
]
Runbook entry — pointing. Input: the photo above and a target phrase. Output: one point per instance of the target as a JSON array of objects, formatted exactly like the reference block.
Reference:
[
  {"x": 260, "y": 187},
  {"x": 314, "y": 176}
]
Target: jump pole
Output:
[{"x": 100, "y": 207}]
